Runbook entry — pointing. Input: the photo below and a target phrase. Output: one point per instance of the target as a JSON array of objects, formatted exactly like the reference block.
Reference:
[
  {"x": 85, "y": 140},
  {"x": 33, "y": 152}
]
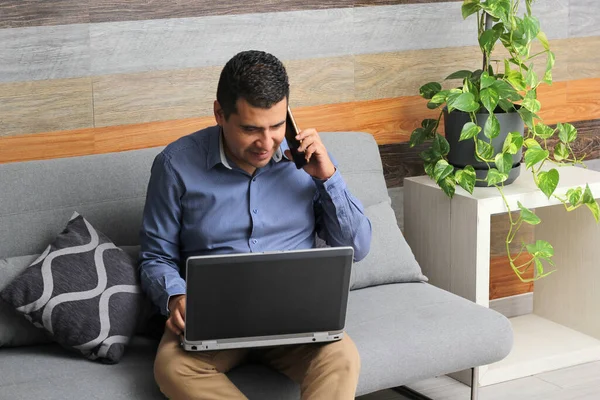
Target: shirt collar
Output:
[{"x": 216, "y": 151}]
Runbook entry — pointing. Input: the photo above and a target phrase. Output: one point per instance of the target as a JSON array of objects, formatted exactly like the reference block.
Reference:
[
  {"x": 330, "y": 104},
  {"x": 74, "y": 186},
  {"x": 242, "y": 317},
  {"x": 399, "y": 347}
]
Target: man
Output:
[{"x": 233, "y": 189}]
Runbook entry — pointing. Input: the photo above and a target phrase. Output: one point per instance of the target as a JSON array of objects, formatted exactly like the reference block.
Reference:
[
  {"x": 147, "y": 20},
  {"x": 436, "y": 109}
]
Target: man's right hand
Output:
[{"x": 176, "y": 321}]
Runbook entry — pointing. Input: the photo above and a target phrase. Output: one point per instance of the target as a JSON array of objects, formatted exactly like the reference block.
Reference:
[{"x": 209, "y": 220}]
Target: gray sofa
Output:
[{"x": 405, "y": 330}]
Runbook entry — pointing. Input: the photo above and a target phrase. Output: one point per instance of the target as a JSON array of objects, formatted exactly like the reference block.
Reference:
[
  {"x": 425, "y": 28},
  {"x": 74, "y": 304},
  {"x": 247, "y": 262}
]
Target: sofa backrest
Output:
[{"x": 37, "y": 198}]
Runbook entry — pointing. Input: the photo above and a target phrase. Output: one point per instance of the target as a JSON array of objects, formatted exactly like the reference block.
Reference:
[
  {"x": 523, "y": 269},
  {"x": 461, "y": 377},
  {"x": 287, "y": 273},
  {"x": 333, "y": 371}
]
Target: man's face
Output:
[{"x": 252, "y": 135}]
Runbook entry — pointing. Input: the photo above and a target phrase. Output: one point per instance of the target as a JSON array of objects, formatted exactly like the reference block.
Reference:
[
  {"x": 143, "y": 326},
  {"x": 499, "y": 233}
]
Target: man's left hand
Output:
[{"x": 319, "y": 165}]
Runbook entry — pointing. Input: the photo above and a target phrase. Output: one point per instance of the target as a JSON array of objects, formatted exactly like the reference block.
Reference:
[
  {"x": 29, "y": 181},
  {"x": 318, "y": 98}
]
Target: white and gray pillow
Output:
[
  {"x": 83, "y": 291},
  {"x": 390, "y": 259}
]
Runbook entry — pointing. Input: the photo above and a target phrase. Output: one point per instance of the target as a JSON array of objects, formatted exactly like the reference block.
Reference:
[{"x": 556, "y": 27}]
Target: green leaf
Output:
[
  {"x": 531, "y": 27},
  {"x": 428, "y": 90},
  {"x": 594, "y": 209},
  {"x": 491, "y": 128},
  {"x": 463, "y": 102},
  {"x": 463, "y": 73},
  {"x": 485, "y": 149},
  {"x": 440, "y": 97},
  {"x": 470, "y": 7},
  {"x": 488, "y": 39},
  {"x": 430, "y": 156},
  {"x": 429, "y": 124},
  {"x": 532, "y": 144},
  {"x": 466, "y": 178},
  {"x": 432, "y": 106},
  {"x": 417, "y": 137},
  {"x": 548, "y": 181},
  {"x": 506, "y": 105},
  {"x": 566, "y": 133},
  {"x": 543, "y": 131},
  {"x": 505, "y": 91},
  {"x": 588, "y": 197},
  {"x": 531, "y": 78},
  {"x": 503, "y": 162},
  {"x": 561, "y": 152},
  {"x": 487, "y": 80},
  {"x": 528, "y": 216},
  {"x": 527, "y": 116},
  {"x": 574, "y": 195},
  {"x": 448, "y": 186},
  {"x": 495, "y": 177},
  {"x": 512, "y": 143},
  {"x": 543, "y": 40},
  {"x": 532, "y": 105},
  {"x": 429, "y": 169},
  {"x": 441, "y": 145},
  {"x": 442, "y": 170},
  {"x": 516, "y": 79},
  {"x": 534, "y": 155},
  {"x": 539, "y": 267},
  {"x": 499, "y": 9},
  {"x": 489, "y": 99},
  {"x": 541, "y": 249},
  {"x": 469, "y": 131},
  {"x": 549, "y": 65}
]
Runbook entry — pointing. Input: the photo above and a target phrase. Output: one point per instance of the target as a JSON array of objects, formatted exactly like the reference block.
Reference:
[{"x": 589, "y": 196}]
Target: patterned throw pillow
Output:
[{"x": 83, "y": 290}]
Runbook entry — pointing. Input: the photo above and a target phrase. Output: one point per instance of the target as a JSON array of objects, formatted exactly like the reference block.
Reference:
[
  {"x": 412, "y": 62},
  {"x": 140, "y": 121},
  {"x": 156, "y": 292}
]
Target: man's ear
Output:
[{"x": 219, "y": 114}]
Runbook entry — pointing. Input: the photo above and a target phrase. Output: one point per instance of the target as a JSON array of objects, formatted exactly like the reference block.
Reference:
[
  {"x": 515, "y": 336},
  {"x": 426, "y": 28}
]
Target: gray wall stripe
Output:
[{"x": 65, "y": 51}]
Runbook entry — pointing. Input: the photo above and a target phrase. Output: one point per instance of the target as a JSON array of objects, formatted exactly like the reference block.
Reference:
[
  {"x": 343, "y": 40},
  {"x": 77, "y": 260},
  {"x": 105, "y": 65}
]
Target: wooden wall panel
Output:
[
  {"x": 20, "y": 13},
  {"x": 135, "y": 10},
  {"x": 166, "y": 95},
  {"x": 504, "y": 282},
  {"x": 388, "y": 120},
  {"x": 30, "y": 107}
]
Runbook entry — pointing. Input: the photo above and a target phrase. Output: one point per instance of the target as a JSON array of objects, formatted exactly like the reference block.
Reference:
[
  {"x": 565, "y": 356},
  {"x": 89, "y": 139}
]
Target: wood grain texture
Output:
[
  {"x": 388, "y": 120},
  {"x": 166, "y": 95},
  {"x": 20, "y": 13},
  {"x": 366, "y": 3},
  {"x": 503, "y": 281},
  {"x": 436, "y": 25},
  {"x": 587, "y": 143},
  {"x": 583, "y": 59},
  {"x": 402, "y": 73},
  {"x": 31, "y": 107},
  {"x": 46, "y": 52},
  {"x": 583, "y": 20},
  {"x": 170, "y": 44},
  {"x": 500, "y": 227},
  {"x": 135, "y": 10}
]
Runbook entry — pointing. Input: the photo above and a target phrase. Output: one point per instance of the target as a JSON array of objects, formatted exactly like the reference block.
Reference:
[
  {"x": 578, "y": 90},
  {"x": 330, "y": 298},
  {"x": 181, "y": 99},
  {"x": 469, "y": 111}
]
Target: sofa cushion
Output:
[
  {"x": 407, "y": 332},
  {"x": 14, "y": 329},
  {"x": 83, "y": 291},
  {"x": 390, "y": 259}
]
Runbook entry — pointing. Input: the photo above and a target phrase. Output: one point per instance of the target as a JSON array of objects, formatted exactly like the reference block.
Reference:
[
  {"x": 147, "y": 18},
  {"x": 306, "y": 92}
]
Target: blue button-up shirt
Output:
[{"x": 198, "y": 202}]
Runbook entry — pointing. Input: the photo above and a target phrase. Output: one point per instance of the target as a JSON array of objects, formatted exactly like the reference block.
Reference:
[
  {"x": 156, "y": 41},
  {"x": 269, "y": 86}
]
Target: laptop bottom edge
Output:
[{"x": 262, "y": 341}]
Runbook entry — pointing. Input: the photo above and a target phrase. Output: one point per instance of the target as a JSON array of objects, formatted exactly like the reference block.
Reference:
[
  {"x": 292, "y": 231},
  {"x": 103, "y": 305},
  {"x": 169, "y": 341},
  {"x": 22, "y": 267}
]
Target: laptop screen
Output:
[{"x": 267, "y": 294}]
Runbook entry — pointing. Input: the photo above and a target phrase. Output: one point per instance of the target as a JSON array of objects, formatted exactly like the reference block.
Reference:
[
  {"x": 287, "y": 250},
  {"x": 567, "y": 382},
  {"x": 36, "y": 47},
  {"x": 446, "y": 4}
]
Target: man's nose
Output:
[{"x": 267, "y": 141}]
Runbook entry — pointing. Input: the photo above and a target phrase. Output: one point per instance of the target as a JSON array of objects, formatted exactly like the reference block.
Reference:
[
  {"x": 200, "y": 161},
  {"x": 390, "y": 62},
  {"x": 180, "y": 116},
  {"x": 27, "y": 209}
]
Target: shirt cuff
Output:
[{"x": 170, "y": 292}]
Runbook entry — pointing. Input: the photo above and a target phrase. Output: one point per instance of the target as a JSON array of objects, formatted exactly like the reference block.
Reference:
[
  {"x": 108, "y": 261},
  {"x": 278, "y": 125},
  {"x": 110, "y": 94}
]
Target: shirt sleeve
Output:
[
  {"x": 340, "y": 216},
  {"x": 159, "y": 235}
]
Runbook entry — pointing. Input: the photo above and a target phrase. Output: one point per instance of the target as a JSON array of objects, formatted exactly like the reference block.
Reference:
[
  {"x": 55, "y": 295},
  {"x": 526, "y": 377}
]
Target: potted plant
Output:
[{"x": 492, "y": 125}]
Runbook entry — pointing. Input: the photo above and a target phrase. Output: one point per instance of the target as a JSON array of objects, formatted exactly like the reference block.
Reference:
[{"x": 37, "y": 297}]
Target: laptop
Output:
[{"x": 266, "y": 299}]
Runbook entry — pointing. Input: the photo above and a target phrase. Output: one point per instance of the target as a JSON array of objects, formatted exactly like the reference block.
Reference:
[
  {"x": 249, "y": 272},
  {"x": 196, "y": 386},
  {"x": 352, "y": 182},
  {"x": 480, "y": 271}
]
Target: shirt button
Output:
[
  {"x": 255, "y": 211},
  {"x": 253, "y": 179},
  {"x": 254, "y": 241}
]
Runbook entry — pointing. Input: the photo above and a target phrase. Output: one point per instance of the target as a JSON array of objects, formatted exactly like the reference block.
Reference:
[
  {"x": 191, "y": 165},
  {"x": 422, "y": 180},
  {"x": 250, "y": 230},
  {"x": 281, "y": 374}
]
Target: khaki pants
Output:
[{"x": 324, "y": 371}]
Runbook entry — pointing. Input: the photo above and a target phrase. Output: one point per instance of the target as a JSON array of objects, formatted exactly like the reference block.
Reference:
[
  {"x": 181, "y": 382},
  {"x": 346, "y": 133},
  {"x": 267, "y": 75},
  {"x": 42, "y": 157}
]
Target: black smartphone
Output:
[{"x": 291, "y": 130}]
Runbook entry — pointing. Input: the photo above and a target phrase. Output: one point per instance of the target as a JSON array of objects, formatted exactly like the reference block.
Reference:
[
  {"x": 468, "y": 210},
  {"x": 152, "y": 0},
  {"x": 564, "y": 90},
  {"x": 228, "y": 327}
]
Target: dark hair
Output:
[{"x": 258, "y": 77}]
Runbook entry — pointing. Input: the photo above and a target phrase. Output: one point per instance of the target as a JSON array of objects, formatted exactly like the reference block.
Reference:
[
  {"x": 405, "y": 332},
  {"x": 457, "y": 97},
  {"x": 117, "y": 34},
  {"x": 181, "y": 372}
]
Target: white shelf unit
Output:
[{"x": 564, "y": 329}]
